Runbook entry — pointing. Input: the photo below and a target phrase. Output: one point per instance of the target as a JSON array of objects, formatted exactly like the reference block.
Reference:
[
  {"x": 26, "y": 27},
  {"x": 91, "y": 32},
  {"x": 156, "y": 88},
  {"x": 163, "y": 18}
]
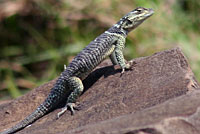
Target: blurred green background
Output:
[{"x": 37, "y": 37}]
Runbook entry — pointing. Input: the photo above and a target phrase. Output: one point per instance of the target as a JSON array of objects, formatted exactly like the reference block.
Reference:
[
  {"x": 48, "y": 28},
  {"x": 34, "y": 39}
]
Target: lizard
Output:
[{"x": 110, "y": 43}]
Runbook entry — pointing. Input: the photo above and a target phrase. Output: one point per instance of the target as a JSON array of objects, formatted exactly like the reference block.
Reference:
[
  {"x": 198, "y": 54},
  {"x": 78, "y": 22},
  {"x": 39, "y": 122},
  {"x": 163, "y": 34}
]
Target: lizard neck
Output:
[{"x": 116, "y": 30}]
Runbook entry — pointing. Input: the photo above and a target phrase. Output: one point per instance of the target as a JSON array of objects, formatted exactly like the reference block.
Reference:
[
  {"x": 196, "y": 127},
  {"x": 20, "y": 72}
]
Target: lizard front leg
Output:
[
  {"x": 117, "y": 56},
  {"x": 113, "y": 58},
  {"x": 76, "y": 86}
]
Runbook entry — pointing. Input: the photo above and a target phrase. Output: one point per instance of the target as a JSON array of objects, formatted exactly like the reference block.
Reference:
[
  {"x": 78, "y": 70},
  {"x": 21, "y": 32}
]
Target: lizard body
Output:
[{"x": 110, "y": 43}]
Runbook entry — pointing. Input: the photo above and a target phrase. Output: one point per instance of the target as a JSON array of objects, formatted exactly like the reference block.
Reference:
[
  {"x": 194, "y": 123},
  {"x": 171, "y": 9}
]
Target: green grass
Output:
[{"x": 37, "y": 43}]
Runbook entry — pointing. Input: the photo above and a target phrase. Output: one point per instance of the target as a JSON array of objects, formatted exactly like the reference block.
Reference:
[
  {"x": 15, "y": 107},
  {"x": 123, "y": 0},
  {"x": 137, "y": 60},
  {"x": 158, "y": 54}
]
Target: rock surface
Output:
[
  {"x": 115, "y": 103},
  {"x": 180, "y": 115}
]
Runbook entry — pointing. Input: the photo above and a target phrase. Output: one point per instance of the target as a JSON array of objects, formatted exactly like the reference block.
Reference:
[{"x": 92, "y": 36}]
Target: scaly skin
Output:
[{"x": 110, "y": 43}]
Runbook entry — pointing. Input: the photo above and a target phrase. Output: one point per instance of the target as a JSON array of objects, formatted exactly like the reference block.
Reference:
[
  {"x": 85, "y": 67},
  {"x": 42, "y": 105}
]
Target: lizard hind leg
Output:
[{"x": 76, "y": 86}]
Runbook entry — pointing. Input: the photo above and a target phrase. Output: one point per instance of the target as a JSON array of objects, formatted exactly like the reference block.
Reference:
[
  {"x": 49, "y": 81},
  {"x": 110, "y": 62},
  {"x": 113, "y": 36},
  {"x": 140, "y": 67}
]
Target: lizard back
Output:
[{"x": 91, "y": 56}]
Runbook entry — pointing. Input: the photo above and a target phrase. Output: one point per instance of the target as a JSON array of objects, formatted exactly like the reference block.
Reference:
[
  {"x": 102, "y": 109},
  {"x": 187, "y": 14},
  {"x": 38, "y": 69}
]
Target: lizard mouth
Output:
[{"x": 150, "y": 12}]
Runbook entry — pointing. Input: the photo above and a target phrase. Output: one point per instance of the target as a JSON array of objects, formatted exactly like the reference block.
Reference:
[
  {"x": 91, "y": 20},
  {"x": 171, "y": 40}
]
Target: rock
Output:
[
  {"x": 111, "y": 100},
  {"x": 180, "y": 115}
]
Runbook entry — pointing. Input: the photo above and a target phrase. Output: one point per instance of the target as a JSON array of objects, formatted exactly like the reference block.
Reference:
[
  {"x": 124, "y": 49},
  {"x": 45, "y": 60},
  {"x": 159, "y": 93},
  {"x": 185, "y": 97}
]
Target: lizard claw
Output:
[
  {"x": 122, "y": 72},
  {"x": 127, "y": 66},
  {"x": 123, "y": 69},
  {"x": 72, "y": 107},
  {"x": 62, "y": 112}
]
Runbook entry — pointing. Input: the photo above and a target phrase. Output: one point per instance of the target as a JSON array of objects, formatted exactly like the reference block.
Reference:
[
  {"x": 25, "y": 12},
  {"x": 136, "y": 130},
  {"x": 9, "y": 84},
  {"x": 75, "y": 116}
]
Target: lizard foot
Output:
[
  {"x": 71, "y": 106},
  {"x": 129, "y": 66}
]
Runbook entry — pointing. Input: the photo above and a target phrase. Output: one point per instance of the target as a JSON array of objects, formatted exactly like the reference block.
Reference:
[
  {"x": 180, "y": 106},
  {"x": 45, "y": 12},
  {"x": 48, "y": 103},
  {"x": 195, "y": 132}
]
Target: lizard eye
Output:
[{"x": 139, "y": 10}]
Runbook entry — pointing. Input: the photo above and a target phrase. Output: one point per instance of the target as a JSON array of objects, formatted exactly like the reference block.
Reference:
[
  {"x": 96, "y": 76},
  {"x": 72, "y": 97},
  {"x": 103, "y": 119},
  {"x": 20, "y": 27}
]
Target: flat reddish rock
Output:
[
  {"x": 108, "y": 94},
  {"x": 180, "y": 115}
]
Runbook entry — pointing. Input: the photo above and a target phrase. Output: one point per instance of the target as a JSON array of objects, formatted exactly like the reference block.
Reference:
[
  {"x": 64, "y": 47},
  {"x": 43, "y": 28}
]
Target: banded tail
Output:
[
  {"x": 55, "y": 97},
  {"x": 38, "y": 113}
]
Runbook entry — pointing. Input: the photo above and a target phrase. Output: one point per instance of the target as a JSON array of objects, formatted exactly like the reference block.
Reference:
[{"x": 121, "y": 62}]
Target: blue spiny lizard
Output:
[{"x": 110, "y": 43}]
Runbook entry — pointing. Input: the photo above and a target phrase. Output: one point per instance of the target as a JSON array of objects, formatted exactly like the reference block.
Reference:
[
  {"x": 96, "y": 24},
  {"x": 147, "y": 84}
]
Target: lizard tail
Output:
[
  {"x": 55, "y": 97},
  {"x": 39, "y": 112}
]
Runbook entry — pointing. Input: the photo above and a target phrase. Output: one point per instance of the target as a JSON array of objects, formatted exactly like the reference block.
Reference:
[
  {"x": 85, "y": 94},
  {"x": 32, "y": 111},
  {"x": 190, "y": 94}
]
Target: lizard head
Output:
[{"x": 134, "y": 18}]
